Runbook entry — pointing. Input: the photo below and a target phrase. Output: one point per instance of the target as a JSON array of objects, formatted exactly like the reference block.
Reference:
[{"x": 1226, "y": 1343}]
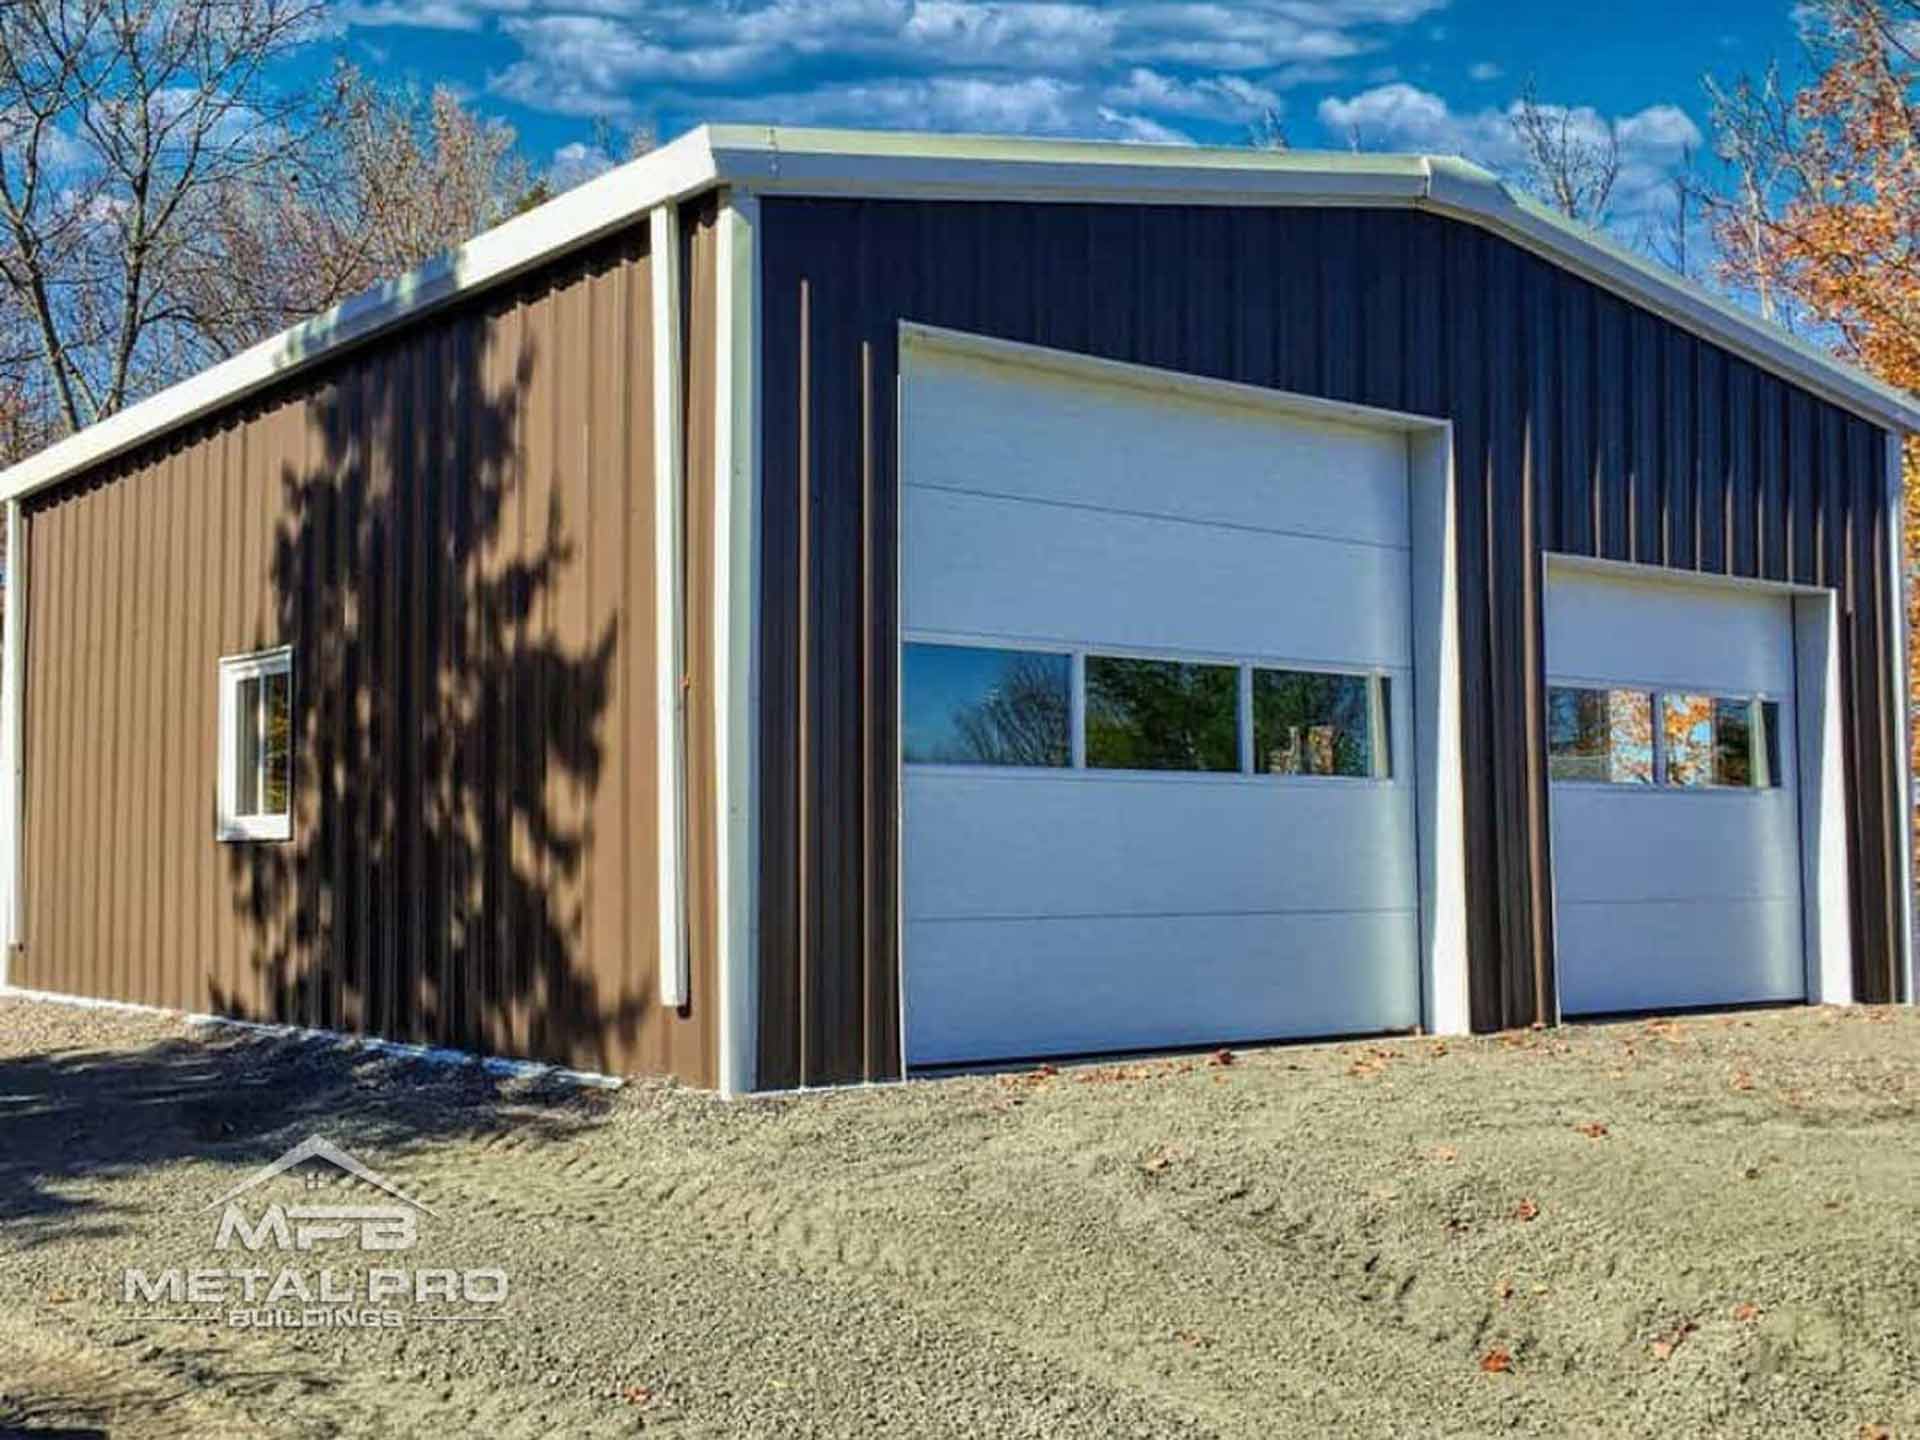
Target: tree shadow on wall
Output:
[{"x": 447, "y": 736}]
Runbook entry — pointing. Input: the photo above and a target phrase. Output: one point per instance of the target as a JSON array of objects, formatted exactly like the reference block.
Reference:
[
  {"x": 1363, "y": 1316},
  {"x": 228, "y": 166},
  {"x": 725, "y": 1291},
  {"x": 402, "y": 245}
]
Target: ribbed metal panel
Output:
[
  {"x": 1582, "y": 424},
  {"x": 453, "y": 528}
]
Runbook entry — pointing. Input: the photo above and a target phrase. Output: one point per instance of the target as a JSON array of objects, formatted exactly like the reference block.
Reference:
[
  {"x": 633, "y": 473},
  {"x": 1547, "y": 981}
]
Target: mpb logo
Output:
[{"x": 337, "y": 1297}]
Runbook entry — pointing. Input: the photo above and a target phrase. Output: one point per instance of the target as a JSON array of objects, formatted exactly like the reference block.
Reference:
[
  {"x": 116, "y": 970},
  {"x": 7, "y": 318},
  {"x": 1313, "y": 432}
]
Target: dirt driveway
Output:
[{"x": 1698, "y": 1227}]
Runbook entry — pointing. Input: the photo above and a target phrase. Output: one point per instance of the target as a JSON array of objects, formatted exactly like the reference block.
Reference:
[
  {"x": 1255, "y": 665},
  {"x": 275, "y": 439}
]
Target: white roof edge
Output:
[
  {"x": 801, "y": 161},
  {"x": 564, "y": 223}
]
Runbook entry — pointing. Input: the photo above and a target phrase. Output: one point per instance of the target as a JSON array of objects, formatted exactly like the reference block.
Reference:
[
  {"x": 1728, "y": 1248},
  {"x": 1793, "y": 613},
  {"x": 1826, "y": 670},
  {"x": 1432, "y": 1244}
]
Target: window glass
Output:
[
  {"x": 246, "y": 734},
  {"x": 1602, "y": 735},
  {"x": 964, "y": 705},
  {"x": 1712, "y": 740},
  {"x": 1162, "y": 715},
  {"x": 1313, "y": 724},
  {"x": 1766, "y": 747},
  {"x": 276, "y": 749},
  {"x": 1733, "y": 743},
  {"x": 1687, "y": 726}
]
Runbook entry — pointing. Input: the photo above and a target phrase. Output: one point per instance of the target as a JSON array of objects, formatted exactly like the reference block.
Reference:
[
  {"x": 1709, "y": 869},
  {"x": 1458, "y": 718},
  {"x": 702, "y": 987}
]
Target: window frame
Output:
[
  {"x": 233, "y": 673},
  {"x": 1660, "y": 784},
  {"x": 1386, "y": 741}
]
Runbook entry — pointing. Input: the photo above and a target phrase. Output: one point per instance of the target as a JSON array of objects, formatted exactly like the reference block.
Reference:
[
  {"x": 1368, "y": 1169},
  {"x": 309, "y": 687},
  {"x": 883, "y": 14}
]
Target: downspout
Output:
[{"x": 669, "y": 569}]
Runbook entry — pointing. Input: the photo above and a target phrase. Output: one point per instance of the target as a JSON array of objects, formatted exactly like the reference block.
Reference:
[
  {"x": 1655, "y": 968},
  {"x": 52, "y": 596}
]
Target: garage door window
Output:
[
  {"x": 1712, "y": 740},
  {"x": 1314, "y": 724},
  {"x": 1162, "y": 715},
  {"x": 1603, "y": 736},
  {"x": 967, "y": 705}
]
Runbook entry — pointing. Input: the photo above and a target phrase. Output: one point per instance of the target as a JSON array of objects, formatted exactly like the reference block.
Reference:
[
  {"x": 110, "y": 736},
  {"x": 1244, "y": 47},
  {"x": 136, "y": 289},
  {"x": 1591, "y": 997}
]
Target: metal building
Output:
[{"x": 811, "y": 604}]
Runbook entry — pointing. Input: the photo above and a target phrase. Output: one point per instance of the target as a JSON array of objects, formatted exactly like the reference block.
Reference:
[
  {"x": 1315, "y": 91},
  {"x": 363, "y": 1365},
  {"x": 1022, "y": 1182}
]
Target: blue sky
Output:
[{"x": 1403, "y": 74}]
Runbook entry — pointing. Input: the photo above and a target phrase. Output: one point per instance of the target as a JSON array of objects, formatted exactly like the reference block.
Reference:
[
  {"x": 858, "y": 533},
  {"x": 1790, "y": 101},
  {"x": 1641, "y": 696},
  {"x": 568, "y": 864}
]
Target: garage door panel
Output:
[
  {"x": 1031, "y": 844},
  {"x": 1044, "y": 573},
  {"x": 1673, "y": 954},
  {"x": 1326, "y": 480},
  {"x": 1668, "y": 895},
  {"x": 1073, "y": 987},
  {"x": 1613, "y": 631},
  {"x": 1645, "y": 845}
]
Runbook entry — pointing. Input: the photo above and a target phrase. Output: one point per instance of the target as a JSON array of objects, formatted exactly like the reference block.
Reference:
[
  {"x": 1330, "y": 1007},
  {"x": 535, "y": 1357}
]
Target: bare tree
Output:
[
  {"x": 1269, "y": 132},
  {"x": 391, "y": 179},
  {"x": 1572, "y": 157},
  {"x": 117, "y": 119},
  {"x": 1668, "y": 236}
]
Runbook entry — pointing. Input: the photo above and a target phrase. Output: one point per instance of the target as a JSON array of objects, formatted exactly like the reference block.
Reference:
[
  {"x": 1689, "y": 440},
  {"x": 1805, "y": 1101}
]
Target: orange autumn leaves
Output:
[{"x": 1830, "y": 210}]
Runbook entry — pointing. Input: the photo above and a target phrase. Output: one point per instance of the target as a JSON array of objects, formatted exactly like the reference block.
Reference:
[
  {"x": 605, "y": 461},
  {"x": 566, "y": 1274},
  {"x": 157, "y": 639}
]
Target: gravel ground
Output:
[{"x": 1704, "y": 1226}]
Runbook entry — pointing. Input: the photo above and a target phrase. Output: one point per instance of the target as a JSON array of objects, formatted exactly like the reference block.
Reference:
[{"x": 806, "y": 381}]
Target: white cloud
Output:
[
  {"x": 1484, "y": 71},
  {"x": 1035, "y": 104},
  {"x": 1404, "y": 117},
  {"x": 576, "y": 164},
  {"x": 1222, "y": 97},
  {"x": 1142, "y": 129},
  {"x": 1212, "y": 61}
]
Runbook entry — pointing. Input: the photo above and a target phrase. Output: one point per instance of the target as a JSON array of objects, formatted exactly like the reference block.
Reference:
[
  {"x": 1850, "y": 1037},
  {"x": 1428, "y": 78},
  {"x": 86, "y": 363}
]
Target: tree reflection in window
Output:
[
  {"x": 1162, "y": 715},
  {"x": 1600, "y": 735},
  {"x": 1313, "y": 724},
  {"x": 966, "y": 705},
  {"x": 1718, "y": 741}
]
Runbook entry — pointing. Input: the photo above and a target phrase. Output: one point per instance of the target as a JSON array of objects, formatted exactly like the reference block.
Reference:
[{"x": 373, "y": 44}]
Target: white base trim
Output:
[{"x": 432, "y": 1055}]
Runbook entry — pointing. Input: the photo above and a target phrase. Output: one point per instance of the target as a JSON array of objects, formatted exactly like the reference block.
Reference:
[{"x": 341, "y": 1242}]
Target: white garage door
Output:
[
  {"x": 1155, "y": 701},
  {"x": 1676, "y": 851}
]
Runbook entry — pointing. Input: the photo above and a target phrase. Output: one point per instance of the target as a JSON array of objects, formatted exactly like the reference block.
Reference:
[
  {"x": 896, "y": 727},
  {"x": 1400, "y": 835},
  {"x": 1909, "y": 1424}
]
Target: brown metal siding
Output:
[
  {"x": 453, "y": 527},
  {"x": 1581, "y": 422}
]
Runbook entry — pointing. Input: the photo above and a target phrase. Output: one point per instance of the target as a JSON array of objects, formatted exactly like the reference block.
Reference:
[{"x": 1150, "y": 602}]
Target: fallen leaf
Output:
[
  {"x": 1504, "y": 1290},
  {"x": 1741, "y": 1080},
  {"x": 637, "y": 1395},
  {"x": 1665, "y": 1345},
  {"x": 1445, "y": 1154},
  {"x": 1222, "y": 1057},
  {"x": 1746, "y": 1312},
  {"x": 1497, "y": 1361},
  {"x": 1593, "y": 1130},
  {"x": 1526, "y": 1210},
  {"x": 1870, "y": 1431},
  {"x": 1193, "y": 1339}
]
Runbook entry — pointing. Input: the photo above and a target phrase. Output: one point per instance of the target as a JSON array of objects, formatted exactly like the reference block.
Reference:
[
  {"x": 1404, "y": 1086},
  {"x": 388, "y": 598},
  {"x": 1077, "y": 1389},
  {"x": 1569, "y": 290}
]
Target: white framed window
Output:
[{"x": 256, "y": 746}]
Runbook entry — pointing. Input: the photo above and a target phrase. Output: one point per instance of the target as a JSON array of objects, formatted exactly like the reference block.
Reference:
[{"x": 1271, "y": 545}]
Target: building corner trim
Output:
[
  {"x": 669, "y": 602},
  {"x": 736, "y": 627},
  {"x": 13, "y": 674}
]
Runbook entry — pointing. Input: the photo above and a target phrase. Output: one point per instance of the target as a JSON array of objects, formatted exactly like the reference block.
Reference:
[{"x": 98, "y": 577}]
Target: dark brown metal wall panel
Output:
[
  {"x": 454, "y": 528},
  {"x": 1581, "y": 423}
]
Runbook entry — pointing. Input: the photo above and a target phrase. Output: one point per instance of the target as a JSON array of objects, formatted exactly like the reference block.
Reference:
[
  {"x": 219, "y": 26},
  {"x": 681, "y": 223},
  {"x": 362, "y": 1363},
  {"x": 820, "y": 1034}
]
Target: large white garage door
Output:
[
  {"x": 1676, "y": 850},
  {"x": 1155, "y": 701}
]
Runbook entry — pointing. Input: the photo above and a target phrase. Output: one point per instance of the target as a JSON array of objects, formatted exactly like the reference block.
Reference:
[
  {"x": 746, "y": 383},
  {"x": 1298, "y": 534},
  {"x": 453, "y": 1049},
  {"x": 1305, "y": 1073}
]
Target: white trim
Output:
[
  {"x": 778, "y": 160},
  {"x": 669, "y": 571},
  {"x": 13, "y": 678},
  {"x": 1560, "y": 560},
  {"x": 1180, "y": 384},
  {"x": 576, "y": 218},
  {"x": 1898, "y": 585},
  {"x": 735, "y": 600},
  {"x": 233, "y": 671},
  {"x": 1438, "y": 762},
  {"x": 427, "y": 1054},
  {"x": 1825, "y": 883}
]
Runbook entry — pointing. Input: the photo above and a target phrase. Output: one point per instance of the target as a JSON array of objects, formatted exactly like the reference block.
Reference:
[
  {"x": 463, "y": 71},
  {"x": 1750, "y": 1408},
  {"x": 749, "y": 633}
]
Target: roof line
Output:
[{"x": 779, "y": 160}]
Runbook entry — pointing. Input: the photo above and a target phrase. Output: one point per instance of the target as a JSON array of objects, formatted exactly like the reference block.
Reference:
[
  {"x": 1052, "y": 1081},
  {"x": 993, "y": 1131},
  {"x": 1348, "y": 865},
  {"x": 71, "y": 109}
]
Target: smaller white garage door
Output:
[
  {"x": 1676, "y": 835},
  {"x": 1157, "y": 699}
]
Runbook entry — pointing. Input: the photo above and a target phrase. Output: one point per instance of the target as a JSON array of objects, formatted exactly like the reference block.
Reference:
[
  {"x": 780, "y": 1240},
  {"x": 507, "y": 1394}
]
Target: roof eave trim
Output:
[
  {"x": 1465, "y": 192},
  {"x": 590, "y": 212}
]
